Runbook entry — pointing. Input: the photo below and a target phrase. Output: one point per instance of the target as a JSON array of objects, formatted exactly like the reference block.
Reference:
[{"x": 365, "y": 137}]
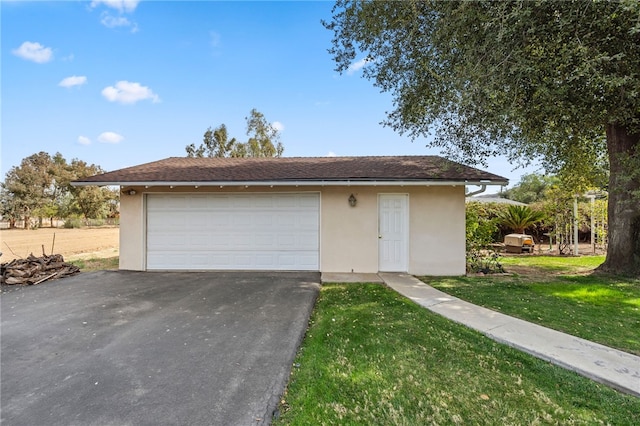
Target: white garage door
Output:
[{"x": 233, "y": 231}]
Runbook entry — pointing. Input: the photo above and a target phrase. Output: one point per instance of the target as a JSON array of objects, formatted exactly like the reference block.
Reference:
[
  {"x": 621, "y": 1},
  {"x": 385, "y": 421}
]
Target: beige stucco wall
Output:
[
  {"x": 132, "y": 229},
  {"x": 348, "y": 235},
  {"x": 437, "y": 229}
]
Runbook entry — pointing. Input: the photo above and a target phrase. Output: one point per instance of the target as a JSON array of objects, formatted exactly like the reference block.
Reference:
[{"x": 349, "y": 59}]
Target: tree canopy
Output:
[
  {"x": 41, "y": 188},
  {"x": 558, "y": 80},
  {"x": 531, "y": 188},
  {"x": 264, "y": 141}
]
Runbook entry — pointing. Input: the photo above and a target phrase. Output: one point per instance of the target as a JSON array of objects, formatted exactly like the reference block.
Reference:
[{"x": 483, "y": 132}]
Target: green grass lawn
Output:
[
  {"x": 89, "y": 265},
  {"x": 559, "y": 264},
  {"x": 560, "y": 293},
  {"x": 371, "y": 356}
]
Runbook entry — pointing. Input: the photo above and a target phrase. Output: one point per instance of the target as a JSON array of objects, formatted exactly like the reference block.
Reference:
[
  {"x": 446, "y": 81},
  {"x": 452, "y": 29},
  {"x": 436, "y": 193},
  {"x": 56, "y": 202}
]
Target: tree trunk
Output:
[{"x": 623, "y": 254}]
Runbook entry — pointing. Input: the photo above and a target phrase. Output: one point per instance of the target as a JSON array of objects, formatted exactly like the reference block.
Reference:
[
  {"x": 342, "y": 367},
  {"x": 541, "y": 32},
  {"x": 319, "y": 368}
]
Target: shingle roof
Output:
[{"x": 178, "y": 170}]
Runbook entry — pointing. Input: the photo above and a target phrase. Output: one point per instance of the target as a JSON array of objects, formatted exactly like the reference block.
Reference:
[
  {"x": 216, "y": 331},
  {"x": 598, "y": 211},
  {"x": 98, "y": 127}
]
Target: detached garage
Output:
[{"x": 328, "y": 214}]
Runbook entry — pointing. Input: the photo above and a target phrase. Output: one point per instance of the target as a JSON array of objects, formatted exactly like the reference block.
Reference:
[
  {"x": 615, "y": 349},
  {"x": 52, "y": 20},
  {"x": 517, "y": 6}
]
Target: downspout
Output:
[{"x": 479, "y": 191}]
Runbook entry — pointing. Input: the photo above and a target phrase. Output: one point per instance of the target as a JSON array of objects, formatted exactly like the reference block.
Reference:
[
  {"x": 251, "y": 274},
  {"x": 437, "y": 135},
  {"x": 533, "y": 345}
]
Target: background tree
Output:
[
  {"x": 531, "y": 188},
  {"x": 9, "y": 208},
  {"x": 28, "y": 187},
  {"x": 91, "y": 202},
  {"x": 41, "y": 188},
  {"x": 526, "y": 79},
  {"x": 215, "y": 143},
  {"x": 264, "y": 141},
  {"x": 57, "y": 199}
]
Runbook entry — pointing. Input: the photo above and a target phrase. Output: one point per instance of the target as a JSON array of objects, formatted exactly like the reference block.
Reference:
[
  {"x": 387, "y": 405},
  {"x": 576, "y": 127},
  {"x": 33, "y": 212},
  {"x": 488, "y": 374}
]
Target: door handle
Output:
[{"x": 379, "y": 236}]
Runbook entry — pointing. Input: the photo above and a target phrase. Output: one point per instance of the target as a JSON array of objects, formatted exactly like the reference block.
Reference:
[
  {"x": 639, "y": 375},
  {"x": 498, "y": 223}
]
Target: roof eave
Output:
[{"x": 272, "y": 183}]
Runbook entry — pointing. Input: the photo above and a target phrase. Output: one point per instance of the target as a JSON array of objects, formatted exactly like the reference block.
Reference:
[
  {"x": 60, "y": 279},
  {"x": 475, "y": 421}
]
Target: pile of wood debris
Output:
[{"x": 35, "y": 270}]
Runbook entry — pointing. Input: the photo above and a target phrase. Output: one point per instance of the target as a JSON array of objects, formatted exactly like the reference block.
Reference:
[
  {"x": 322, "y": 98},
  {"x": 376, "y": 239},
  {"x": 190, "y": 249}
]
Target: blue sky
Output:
[{"x": 124, "y": 82}]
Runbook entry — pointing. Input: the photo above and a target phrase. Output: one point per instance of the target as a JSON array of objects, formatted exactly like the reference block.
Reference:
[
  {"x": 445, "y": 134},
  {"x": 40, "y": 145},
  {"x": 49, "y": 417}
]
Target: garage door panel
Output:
[
  {"x": 264, "y": 260},
  {"x": 199, "y": 203},
  {"x": 263, "y": 220},
  {"x": 162, "y": 220},
  {"x": 311, "y": 202},
  {"x": 233, "y": 231},
  {"x": 307, "y": 262},
  {"x": 263, "y": 202},
  {"x": 288, "y": 260},
  {"x": 175, "y": 260},
  {"x": 242, "y": 261},
  {"x": 167, "y": 202},
  {"x": 220, "y": 241},
  {"x": 307, "y": 241},
  {"x": 219, "y": 219},
  {"x": 199, "y": 261},
  {"x": 221, "y": 259},
  {"x": 240, "y": 219},
  {"x": 265, "y": 241},
  {"x": 308, "y": 222},
  {"x": 199, "y": 242},
  {"x": 242, "y": 201},
  {"x": 198, "y": 219},
  {"x": 240, "y": 241},
  {"x": 286, "y": 220},
  {"x": 166, "y": 240},
  {"x": 286, "y": 241}
]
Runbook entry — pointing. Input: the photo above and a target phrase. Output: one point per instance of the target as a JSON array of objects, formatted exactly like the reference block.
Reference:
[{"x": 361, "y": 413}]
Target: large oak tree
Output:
[{"x": 527, "y": 79}]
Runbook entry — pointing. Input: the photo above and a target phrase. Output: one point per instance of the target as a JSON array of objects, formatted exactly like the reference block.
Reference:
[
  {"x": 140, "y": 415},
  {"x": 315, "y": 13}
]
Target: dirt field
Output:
[{"x": 70, "y": 243}]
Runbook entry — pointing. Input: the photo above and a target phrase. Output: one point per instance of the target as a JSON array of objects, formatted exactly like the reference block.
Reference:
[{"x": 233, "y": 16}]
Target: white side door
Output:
[{"x": 393, "y": 232}]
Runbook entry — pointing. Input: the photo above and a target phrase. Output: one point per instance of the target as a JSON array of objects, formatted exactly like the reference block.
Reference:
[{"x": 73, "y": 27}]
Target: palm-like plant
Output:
[{"x": 519, "y": 218}]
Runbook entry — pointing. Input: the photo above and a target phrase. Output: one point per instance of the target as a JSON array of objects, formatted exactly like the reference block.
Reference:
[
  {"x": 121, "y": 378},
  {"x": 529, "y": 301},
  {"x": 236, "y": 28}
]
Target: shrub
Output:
[
  {"x": 485, "y": 261},
  {"x": 481, "y": 230},
  {"x": 519, "y": 218},
  {"x": 72, "y": 223}
]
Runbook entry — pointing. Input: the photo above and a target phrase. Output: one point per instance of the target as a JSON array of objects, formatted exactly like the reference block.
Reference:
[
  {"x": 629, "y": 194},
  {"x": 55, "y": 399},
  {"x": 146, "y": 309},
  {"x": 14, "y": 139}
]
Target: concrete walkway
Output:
[{"x": 609, "y": 366}]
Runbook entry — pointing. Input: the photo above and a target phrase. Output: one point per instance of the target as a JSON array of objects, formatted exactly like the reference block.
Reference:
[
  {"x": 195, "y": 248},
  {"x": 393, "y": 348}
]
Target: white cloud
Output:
[
  {"x": 110, "y": 137},
  {"x": 278, "y": 126},
  {"x": 83, "y": 140},
  {"x": 114, "y": 21},
  {"x": 74, "y": 80},
  {"x": 127, "y": 92},
  {"x": 120, "y": 5},
  {"x": 357, "y": 65},
  {"x": 331, "y": 154},
  {"x": 34, "y": 52},
  {"x": 123, "y": 7}
]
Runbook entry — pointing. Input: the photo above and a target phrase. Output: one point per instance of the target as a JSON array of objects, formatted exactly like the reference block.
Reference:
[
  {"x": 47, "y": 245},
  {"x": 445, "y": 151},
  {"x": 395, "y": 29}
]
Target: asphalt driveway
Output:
[{"x": 147, "y": 348}]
